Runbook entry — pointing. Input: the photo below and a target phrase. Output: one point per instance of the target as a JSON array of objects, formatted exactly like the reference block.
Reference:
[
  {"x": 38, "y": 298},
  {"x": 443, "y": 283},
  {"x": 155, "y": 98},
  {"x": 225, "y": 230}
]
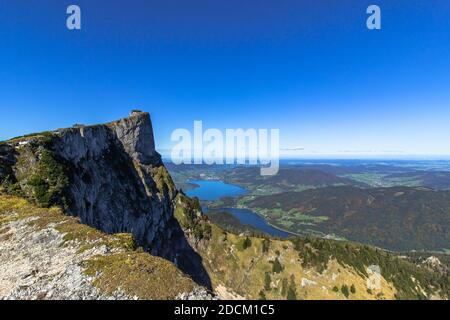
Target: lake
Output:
[
  {"x": 213, "y": 190},
  {"x": 251, "y": 218}
]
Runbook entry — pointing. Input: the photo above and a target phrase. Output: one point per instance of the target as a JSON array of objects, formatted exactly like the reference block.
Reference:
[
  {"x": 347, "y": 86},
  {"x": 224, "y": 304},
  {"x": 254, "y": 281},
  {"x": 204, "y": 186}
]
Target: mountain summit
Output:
[{"x": 108, "y": 175}]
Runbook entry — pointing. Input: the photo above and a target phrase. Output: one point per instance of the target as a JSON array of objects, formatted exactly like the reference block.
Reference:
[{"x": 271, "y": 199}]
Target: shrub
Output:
[
  {"x": 185, "y": 213},
  {"x": 265, "y": 245},
  {"x": 244, "y": 243},
  {"x": 292, "y": 290},
  {"x": 262, "y": 295},
  {"x": 345, "y": 291},
  {"x": 247, "y": 243},
  {"x": 267, "y": 281},
  {"x": 284, "y": 287},
  {"x": 13, "y": 189},
  {"x": 276, "y": 266},
  {"x": 49, "y": 181}
]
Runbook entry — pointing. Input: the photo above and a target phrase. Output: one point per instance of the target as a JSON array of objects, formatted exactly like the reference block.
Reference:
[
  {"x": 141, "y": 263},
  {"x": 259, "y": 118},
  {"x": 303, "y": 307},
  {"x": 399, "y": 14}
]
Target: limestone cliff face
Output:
[
  {"x": 136, "y": 135},
  {"x": 110, "y": 176},
  {"x": 117, "y": 180}
]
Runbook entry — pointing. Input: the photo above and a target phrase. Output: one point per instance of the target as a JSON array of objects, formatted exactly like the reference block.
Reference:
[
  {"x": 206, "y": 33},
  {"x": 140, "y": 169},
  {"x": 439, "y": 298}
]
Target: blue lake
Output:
[
  {"x": 214, "y": 190},
  {"x": 251, "y": 218}
]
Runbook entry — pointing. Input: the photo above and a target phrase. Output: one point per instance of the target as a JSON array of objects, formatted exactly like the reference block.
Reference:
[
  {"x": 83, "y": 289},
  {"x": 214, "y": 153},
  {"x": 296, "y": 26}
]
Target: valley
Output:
[{"x": 399, "y": 205}]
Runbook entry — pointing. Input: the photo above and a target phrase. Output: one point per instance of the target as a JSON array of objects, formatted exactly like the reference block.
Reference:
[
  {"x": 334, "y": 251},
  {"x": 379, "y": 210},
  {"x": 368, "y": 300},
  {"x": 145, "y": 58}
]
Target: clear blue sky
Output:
[{"x": 310, "y": 68}]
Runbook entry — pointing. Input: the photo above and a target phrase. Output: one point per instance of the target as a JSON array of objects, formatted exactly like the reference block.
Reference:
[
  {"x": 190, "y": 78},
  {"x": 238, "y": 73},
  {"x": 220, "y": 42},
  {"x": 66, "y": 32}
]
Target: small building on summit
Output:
[{"x": 135, "y": 112}]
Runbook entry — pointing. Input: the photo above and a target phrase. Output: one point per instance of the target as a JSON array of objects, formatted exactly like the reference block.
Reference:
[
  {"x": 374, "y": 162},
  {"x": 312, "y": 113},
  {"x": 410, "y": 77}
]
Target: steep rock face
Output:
[
  {"x": 113, "y": 173},
  {"x": 7, "y": 160},
  {"x": 136, "y": 135},
  {"x": 111, "y": 177}
]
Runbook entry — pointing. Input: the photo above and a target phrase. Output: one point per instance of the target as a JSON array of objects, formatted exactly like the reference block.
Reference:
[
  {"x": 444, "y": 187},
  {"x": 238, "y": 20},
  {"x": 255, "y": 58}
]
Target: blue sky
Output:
[{"x": 310, "y": 68}]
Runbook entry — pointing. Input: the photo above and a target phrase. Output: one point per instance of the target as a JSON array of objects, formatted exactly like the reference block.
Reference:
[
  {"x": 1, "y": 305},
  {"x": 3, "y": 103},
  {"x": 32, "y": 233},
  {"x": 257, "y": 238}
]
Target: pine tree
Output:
[
  {"x": 344, "y": 290},
  {"x": 292, "y": 291},
  {"x": 265, "y": 245},
  {"x": 267, "y": 281},
  {"x": 284, "y": 287},
  {"x": 247, "y": 243},
  {"x": 276, "y": 266},
  {"x": 262, "y": 295}
]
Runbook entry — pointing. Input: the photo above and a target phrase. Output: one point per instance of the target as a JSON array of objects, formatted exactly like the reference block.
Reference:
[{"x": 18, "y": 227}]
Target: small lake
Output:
[
  {"x": 213, "y": 190},
  {"x": 254, "y": 220}
]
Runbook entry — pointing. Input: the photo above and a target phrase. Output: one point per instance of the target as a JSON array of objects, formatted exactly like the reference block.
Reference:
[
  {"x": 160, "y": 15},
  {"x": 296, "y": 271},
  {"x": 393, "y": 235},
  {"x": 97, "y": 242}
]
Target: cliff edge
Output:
[{"x": 110, "y": 177}]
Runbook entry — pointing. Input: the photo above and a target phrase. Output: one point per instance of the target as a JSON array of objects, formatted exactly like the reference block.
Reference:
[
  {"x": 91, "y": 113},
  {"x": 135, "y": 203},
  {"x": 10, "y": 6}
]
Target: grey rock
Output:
[
  {"x": 112, "y": 182},
  {"x": 117, "y": 184},
  {"x": 136, "y": 135}
]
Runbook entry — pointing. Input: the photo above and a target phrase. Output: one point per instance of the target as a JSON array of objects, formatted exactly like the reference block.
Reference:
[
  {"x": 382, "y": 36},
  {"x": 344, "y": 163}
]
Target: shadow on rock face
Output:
[{"x": 186, "y": 258}]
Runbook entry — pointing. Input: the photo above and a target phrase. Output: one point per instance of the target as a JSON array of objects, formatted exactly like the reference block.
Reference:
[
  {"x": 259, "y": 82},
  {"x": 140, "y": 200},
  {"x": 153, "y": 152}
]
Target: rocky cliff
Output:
[
  {"x": 110, "y": 176},
  {"x": 117, "y": 180},
  {"x": 46, "y": 254}
]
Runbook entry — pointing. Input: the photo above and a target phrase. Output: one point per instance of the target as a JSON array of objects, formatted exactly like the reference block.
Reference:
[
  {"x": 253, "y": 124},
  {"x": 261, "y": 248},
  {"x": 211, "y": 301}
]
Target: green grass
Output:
[
  {"x": 318, "y": 252},
  {"x": 138, "y": 274},
  {"x": 40, "y": 135}
]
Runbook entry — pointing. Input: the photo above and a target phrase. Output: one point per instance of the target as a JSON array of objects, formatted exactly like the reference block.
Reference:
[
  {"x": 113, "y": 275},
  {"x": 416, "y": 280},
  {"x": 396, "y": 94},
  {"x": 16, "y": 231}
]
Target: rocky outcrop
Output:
[
  {"x": 45, "y": 254},
  {"x": 117, "y": 180},
  {"x": 35, "y": 265},
  {"x": 111, "y": 177},
  {"x": 136, "y": 135},
  {"x": 7, "y": 160}
]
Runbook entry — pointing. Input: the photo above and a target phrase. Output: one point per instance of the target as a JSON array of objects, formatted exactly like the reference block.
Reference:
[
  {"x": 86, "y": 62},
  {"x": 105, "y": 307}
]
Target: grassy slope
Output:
[
  {"x": 256, "y": 267},
  {"x": 124, "y": 266},
  {"x": 246, "y": 271}
]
